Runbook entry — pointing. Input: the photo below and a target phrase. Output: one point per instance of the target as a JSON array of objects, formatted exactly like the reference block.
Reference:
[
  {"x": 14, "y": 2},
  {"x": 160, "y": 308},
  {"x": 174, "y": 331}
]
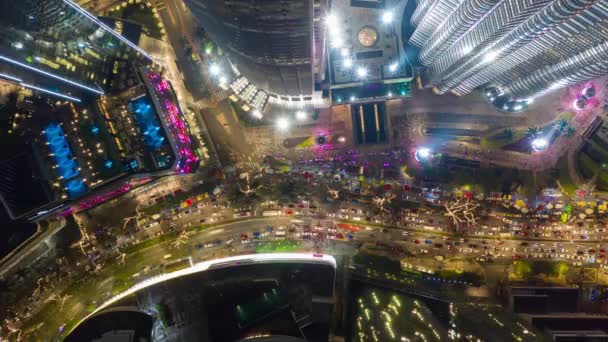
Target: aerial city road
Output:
[{"x": 313, "y": 170}]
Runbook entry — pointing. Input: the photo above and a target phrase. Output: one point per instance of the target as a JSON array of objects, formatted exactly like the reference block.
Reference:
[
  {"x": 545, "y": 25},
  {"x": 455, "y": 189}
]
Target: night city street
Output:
[{"x": 312, "y": 170}]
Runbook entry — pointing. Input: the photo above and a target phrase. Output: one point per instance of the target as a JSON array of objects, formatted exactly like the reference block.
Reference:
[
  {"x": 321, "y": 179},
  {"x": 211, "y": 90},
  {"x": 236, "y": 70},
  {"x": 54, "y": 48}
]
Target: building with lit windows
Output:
[
  {"x": 516, "y": 50},
  {"x": 276, "y": 46},
  {"x": 56, "y": 47}
]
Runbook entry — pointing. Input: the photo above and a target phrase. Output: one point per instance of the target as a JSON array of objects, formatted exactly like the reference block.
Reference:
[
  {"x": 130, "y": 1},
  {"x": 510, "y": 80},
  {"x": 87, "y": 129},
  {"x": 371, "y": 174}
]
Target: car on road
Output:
[
  {"x": 428, "y": 242},
  {"x": 417, "y": 241}
]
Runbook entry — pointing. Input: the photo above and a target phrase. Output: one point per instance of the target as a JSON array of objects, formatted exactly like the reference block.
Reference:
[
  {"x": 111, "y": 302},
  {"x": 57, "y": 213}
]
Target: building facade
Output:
[
  {"x": 55, "y": 45},
  {"x": 515, "y": 49},
  {"x": 275, "y": 44}
]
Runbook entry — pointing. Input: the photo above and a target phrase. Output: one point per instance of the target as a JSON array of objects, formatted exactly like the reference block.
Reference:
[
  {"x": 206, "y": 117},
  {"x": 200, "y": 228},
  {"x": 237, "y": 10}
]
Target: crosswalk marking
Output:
[{"x": 210, "y": 101}]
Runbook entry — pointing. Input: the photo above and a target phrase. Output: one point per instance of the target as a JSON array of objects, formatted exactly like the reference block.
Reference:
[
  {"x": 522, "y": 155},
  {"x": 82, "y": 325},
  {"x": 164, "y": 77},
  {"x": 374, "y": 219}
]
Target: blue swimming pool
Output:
[
  {"x": 64, "y": 160},
  {"x": 148, "y": 122}
]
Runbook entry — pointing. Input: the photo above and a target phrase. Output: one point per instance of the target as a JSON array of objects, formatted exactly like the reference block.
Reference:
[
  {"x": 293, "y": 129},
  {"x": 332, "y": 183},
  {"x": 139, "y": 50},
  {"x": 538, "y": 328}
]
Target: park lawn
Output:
[
  {"x": 309, "y": 142},
  {"x": 554, "y": 272},
  {"x": 564, "y": 177},
  {"x": 149, "y": 243},
  {"x": 499, "y": 140},
  {"x": 566, "y": 116},
  {"x": 277, "y": 246}
]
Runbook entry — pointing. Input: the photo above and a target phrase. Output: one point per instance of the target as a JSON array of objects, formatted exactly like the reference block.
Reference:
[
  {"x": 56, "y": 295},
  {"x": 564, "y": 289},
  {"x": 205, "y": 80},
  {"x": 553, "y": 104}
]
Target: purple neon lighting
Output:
[{"x": 187, "y": 158}]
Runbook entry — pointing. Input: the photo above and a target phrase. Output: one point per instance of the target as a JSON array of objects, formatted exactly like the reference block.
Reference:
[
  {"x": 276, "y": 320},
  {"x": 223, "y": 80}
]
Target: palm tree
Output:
[
  {"x": 561, "y": 124},
  {"x": 533, "y": 131},
  {"x": 570, "y": 132}
]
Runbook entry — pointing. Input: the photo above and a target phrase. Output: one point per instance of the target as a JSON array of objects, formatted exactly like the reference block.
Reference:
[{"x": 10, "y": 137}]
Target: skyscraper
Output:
[
  {"x": 516, "y": 49},
  {"x": 274, "y": 44},
  {"x": 54, "y": 45}
]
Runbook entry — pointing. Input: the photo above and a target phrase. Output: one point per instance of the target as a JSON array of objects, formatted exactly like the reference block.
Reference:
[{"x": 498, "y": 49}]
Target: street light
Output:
[
  {"x": 331, "y": 20},
  {"x": 539, "y": 144},
  {"x": 361, "y": 72},
  {"x": 223, "y": 80},
  {"x": 282, "y": 124},
  {"x": 387, "y": 17},
  {"x": 301, "y": 115},
  {"x": 257, "y": 114},
  {"x": 393, "y": 67},
  {"x": 348, "y": 63},
  {"x": 214, "y": 69},
  {"x": 422, "y": 154}
]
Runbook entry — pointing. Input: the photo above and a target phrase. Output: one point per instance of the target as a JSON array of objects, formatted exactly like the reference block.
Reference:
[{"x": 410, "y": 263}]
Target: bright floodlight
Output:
[
  {"x": 256, "y": 114},
  {"x": 422, "y": 154},
  {"x": 393, "y": 67},
  {"x": 344, "y": 52},
  {"x": 539, "y": 144},
  {"x": 337, "y": 42},
  {"x": 223, "y": 80},
  {"x": 331, "y": 20},
  {"x": 348, "y": 63},
  {"x": 214, "y": 69},
  {"x": 301, "y": 115},
  {"x": 579, "y": 103},
  {"x": 282, "y": 124},
  {"x": 342, "y": 139},
  {"x": 361, "y": 72},
  {"x": 387, "y": 17}
]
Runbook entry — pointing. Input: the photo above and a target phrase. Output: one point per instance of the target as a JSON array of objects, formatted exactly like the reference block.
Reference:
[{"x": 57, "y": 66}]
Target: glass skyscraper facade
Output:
[
  {"x": 275, "y": 44},
  {"x": 519, "y": 49},
  {"x": 55, "y": 45}
]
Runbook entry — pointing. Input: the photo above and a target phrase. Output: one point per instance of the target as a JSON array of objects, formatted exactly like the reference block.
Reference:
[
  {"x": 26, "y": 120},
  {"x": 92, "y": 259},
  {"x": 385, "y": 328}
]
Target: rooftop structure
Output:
[
  {"x": 366, "y": 56},
  {"x": 286, "y": 295},
  {"x": 85, "y": 153},
  {"x": 517, "y": 50},
  {"x": 173, "y": 121}
]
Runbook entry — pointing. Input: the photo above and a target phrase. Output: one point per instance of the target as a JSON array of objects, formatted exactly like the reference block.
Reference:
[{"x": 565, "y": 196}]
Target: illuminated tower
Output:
[{"x": 517, "y": 49}]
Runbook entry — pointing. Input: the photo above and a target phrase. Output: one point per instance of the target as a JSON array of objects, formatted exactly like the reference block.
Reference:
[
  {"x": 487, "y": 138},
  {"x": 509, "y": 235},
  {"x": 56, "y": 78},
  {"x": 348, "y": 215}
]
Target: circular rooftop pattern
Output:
[{"x": 368, "y": 36}]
